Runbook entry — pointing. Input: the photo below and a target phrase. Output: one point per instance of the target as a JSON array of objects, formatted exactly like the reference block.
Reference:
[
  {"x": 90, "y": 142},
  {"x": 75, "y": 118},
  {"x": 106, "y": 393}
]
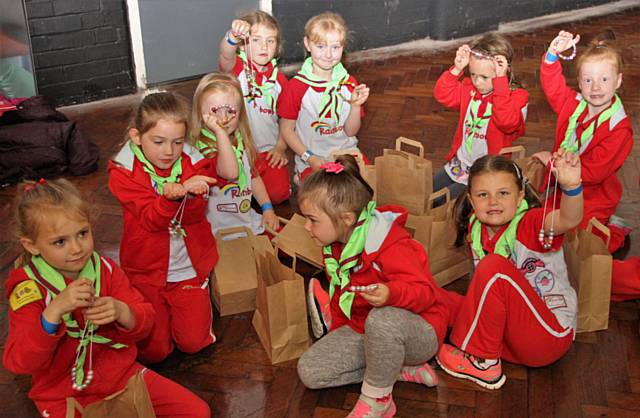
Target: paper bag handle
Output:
[
  {"x": 233, "y": 230},
  {"x": 294, "y": 257},
  {"x": 435, "y": 195},
  {"x": 273, "y": 231},
  {"x": 406, "y": 141},
  {"x": 518, "y": 151},
  {"x": 593, "y": 222}
]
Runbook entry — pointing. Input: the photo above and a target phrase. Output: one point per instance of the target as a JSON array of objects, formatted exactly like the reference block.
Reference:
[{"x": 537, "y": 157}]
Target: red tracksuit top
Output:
[
  {"x": 401, "y": 263},
  {"x": 144, "y": 247},
  {"x": 49, "y": 358},
  {"x": 507, "y": 107},
  {"x": 605, "y": 154}
]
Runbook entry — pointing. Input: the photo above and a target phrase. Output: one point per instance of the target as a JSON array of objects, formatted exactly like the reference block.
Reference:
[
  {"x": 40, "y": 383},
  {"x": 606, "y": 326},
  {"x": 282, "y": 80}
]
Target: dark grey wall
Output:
[
  {"x": 376, "y": 23},
  {"x": 81, "y": 49}
]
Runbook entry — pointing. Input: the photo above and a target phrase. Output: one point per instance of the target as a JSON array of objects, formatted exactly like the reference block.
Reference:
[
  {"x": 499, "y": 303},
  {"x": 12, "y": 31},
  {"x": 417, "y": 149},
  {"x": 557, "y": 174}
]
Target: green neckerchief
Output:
[
  {"x": 339, "y": 271},
  {"x": 475, "y": 121},
  {"x": 238, "y": 150},
  {"x": 507, "y": 241},
  {"x": 49, "y": 278},
  {"x": 159, "y": 181},
  {"x": 331, "y": 99},
  {"x": 569, "y": 143},
  {"x": 265, "y": 88}
]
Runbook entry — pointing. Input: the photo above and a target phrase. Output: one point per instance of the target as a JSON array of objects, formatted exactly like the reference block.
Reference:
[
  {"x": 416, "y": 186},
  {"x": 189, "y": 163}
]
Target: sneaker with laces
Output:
[
  {"x": 422, "y": 374},
  {"x": 367, "y": 407},
  {"x": 465, "y": 366},
  {"x": 319, "y": 311}
]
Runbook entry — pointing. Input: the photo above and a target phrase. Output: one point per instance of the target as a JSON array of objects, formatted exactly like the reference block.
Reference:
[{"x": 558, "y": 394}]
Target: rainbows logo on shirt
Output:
[
  {"x": 317, "y": 125},
  {"x": 229, "y": 188}
]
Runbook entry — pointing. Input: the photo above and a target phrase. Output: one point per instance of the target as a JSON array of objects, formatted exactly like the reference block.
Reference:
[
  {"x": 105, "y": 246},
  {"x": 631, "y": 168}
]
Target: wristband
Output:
[
  {"x": 551, "y": 57},
  {"x": 573, "y": 192},
  {"x": 306, "y": 155},
  {"x": 230, "y": 42},
  {"x": 48, "y": 327},
  {"x": 266, "y": 206}
]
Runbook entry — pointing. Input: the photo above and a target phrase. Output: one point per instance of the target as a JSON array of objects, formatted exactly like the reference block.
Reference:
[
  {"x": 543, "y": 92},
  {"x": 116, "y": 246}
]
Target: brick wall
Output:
[
  {"x": 81, "y": 49},
  {"x": 376, "y": 23}
]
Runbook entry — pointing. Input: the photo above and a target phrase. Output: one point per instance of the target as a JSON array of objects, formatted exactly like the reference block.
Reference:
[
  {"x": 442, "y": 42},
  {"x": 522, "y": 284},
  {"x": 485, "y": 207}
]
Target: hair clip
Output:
[
  {"x": 481, "y": 54},
  {"x": 331, "y": 167},
  {"x": 32, "y": 186}
]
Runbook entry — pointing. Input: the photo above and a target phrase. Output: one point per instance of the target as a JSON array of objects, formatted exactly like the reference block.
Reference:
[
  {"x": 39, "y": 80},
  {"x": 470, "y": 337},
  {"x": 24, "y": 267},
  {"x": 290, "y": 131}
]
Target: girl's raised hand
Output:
[
  {"x": 360, "y": 95},
  {"x": 501, "y": 65},
  {"x": 240, "y": 29},
  {"x": 78, "y": 294},
  {"x": 567, "y": 169},
  {"x": 462, "y": 57},
  {"x": 174, "y": 191},
  {"x": 215, "y": 123},
  {"x": 562, "y": 42},
  {"x": 378, "y": 296},
  {"x": 198, "y": 184}
]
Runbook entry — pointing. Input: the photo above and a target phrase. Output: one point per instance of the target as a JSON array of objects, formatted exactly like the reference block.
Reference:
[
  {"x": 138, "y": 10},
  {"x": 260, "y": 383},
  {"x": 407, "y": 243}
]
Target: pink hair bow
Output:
[
  {"x": 30, "y": 187},
  {"x": 331, "y": 167}
]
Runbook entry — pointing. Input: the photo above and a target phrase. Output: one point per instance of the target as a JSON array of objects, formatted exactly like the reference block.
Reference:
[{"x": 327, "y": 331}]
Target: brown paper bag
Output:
[
  {"x": 404, "y": 179},
  {"x": 280, "y": 319},
  {"x": 131, "y": 402},
  {"x": 589, "y": 266},
  {"x": 436, "y": 232},
  {"x": 368, "y": 172},
  {"x": 295, "y": 241},
  {"x": 234, "y": 279},
  {"x": 531, "y": 167}
]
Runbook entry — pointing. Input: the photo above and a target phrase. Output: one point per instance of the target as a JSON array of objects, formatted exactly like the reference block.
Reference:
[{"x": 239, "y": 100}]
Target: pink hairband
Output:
[{"x": 331, "y": 167}]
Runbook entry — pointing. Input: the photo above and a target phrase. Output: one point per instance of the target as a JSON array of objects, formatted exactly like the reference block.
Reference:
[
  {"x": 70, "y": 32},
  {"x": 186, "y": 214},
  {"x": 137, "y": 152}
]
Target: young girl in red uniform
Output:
[
  {"x": 63, "y": 296},
  {"x": 388, "y": 314},
  {"x": 519, "y": 306},
  {"x": 249, "y": 51},
  {"x": 592, "y": 123},
  {"x": 167, "y": 249},
  {"x": 492, "y": 109},
  {"x": 219, "y": 117},
  {"x": 321, "y": 108}
]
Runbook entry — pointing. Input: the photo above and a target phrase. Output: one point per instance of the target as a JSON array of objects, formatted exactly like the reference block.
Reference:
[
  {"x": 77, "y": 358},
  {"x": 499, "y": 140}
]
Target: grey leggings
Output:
[{"x": 393, "y": 338}]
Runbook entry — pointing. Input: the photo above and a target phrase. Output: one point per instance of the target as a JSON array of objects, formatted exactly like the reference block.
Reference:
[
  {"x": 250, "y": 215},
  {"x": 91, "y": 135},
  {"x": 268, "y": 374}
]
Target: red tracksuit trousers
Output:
[{"x": 502, "y": 316}]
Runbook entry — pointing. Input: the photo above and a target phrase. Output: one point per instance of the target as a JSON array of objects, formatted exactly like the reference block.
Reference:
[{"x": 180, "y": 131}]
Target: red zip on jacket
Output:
[
  {"x": 144, "y": 247},
  {"x": 392, "y": 257},
  {"x": 607, "y": 151},
  {"x": 508, "y": 109},
  {"x": 49, "y": 358}
]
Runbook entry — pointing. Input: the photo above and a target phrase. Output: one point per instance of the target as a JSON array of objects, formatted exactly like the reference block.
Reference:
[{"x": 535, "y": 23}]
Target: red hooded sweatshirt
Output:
[{"x": 392, "y": 257}]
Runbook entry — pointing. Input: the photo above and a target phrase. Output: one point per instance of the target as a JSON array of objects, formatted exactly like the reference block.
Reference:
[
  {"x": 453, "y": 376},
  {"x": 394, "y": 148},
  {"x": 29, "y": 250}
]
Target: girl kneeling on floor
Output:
[{"x": 388, "y": 314}]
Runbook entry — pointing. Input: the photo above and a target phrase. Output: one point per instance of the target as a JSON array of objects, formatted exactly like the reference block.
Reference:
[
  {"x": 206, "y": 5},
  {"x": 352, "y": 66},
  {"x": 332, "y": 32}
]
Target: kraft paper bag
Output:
[
  {"x": 436, "y": 232},
  {"x": 368, "y": 172},
  {"x": 234, "y": 279},
  {"x": 531, "y": 167},
  {"x": 589, "y": 266},
  {"x": 403, "y": 178},
  {"x": 295, "y": 241},
  {"x": 131, "y": 402},
  {"x": 280, "y": 319}
]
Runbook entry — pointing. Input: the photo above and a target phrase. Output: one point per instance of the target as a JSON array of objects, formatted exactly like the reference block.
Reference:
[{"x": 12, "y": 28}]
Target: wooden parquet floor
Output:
[{"x": 600, "y": 376}]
